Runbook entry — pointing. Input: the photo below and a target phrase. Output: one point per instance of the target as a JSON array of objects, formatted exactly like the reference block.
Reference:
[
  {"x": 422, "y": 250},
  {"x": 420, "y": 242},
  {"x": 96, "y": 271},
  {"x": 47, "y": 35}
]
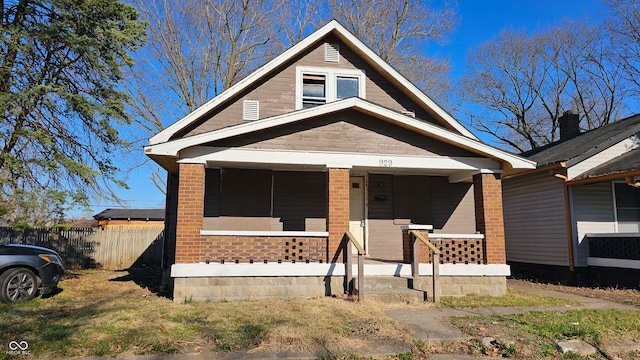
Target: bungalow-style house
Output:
[
  {"x": 576, "y": 217},
  {"x": 130, "y": 217},
  {"x": 267, "y": 178}
]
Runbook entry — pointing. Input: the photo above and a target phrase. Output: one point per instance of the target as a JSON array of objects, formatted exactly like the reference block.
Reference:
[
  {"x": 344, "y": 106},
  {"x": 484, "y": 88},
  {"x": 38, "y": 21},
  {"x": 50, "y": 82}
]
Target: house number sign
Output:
[{"x": 385, "y": 162}]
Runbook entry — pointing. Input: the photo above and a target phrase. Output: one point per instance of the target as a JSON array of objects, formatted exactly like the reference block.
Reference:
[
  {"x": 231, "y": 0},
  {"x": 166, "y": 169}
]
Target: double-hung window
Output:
[
  {"x": 627, "y": 203},
  {"x": 317, "y": 86},
  {"x": 314, "y": 90}
]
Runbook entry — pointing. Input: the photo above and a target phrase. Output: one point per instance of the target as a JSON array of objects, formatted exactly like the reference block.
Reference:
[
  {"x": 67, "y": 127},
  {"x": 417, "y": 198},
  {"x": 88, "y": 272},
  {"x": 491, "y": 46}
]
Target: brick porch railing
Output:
[
  {"x": 454, "y": 248},
  {"x": 263, "y": 248}
]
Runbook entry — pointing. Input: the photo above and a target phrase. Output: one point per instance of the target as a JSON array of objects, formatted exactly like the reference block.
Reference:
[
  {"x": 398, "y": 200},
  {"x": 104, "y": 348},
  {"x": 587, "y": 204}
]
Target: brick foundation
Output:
[
  {"x": 255, "y": 288},
  {"x": 285, "y": 287},
  {"x": 465, "y": 285}
]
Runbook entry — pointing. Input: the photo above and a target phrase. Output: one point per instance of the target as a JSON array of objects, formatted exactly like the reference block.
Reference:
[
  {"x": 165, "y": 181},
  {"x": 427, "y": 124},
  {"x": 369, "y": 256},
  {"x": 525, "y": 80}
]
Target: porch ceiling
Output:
[{"x": 456, "y": 168}]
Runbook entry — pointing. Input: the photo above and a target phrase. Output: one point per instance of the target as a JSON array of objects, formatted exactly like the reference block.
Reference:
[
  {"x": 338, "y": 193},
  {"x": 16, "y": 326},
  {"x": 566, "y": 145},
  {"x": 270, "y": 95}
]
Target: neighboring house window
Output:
[
  {"x": 627, "y": 203},
  {"x": 318, "y": 86}
]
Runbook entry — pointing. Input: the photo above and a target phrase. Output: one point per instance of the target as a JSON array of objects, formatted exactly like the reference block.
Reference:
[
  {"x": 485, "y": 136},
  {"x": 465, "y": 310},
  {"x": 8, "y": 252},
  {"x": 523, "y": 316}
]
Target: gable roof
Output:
[
  {"x": 585, "y": 144},
  {"x": 145, "y": 214},
  {"x": 338, "y": 30},
  {"x": 172, "y": 148},
  {"x": 627, "y": 162}
]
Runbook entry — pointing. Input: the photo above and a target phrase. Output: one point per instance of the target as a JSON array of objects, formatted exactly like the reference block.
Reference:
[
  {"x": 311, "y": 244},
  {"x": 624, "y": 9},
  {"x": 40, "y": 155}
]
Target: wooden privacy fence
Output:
[{"x": 114, "y": 247}]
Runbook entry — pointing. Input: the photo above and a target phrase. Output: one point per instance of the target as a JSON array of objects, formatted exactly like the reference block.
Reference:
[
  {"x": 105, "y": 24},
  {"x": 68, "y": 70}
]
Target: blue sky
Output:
[{"x": 480, "y": 20}]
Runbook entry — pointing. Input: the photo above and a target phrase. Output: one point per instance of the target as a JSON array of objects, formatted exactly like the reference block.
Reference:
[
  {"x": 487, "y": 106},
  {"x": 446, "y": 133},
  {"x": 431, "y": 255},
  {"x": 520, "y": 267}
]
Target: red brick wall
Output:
[
  {"x": 190, "y": 213},
  {"x": 337, "y": 211},
  {"x": 489, "y": 216}
]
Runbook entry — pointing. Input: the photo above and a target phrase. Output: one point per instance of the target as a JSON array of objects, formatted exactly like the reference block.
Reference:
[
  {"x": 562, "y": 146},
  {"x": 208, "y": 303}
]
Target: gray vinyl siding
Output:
[
  {"x": 593, "y": 213},
  {"x": 276, "y": 92},
  {"x": 535, "y": 220}
]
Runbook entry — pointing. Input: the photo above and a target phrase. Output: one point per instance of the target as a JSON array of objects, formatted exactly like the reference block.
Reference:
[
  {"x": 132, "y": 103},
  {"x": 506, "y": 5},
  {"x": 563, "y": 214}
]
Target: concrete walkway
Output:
[{"x": 432, "y": 325}]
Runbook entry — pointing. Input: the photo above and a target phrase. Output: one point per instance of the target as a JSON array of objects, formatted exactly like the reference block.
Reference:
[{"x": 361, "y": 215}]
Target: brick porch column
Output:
[
  {"x": 487, "y": 190},
  {"x": 337, "y": 210},
  {"x": 190, "y": 212}
]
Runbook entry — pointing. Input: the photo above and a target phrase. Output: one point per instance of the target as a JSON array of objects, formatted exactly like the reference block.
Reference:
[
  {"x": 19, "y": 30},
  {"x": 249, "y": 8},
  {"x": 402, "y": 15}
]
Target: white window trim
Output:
[{"x": 331, "y": 75}]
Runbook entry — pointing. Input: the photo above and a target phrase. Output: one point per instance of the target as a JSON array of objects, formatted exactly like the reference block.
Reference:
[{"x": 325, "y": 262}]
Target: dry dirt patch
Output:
[{"x": 107, "y": 313}]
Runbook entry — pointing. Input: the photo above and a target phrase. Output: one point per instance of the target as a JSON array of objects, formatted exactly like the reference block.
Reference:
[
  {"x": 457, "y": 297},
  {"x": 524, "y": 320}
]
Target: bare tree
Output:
[
  {"x": 399, "y": 32},
  {"x": 624, "y": 25},
  {"x": 196, "y": 50},
  {"x": 523, "y": 83}
]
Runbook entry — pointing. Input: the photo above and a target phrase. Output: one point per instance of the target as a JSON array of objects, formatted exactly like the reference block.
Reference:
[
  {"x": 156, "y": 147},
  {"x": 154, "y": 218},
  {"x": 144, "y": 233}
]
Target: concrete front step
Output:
[
  {"x": 391, "y": 289},
  {"x": 408, "y": 296}
]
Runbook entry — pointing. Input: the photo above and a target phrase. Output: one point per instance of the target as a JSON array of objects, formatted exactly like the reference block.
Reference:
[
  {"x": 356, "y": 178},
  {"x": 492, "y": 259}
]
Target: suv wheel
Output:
[{"x": 18, "y": 284}]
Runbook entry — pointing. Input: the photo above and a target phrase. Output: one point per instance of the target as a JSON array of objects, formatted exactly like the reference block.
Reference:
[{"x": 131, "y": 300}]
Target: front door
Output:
[{"x": 356, "y": 209}]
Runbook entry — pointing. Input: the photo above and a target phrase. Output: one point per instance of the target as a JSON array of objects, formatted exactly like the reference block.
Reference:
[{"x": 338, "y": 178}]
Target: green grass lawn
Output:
[
  {"x": 512, "y": 299},
  {"x": 535, "y": 334}
]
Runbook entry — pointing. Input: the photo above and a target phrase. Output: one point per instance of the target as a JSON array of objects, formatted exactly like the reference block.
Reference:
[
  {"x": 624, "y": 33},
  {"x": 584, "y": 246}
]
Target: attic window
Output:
[
  {"x": 250, "y": 110},
  {"x": 313, "y": 90},
  {"x": 317, "y": 86},
  {"x": 331, "y": 52}
]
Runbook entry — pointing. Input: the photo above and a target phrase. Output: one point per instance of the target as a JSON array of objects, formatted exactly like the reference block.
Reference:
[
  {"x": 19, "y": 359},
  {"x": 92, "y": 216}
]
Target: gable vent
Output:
[
  {"x": 331, "y": 52},
  {"x": 250, "y": 110}
]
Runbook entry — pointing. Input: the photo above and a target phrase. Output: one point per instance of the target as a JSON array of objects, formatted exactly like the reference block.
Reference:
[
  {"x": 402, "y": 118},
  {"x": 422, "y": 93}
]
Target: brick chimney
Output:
[{"x": 569, "y": 124}]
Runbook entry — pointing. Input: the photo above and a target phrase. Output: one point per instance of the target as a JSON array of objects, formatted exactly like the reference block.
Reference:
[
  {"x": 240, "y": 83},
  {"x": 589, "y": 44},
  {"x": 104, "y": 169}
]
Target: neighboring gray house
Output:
[{"x": 576, "y": 217}]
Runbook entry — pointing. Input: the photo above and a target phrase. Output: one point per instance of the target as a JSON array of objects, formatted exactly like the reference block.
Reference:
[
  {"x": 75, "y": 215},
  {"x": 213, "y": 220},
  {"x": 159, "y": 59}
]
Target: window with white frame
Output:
[
  {"x": 317, "y": 86},
  {"x": 627, "y": 207}
]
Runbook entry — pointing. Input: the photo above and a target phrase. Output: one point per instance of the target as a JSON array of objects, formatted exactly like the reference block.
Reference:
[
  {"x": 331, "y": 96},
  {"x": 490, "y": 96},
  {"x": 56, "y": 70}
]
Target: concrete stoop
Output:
[{"x": 392, "y": 289}]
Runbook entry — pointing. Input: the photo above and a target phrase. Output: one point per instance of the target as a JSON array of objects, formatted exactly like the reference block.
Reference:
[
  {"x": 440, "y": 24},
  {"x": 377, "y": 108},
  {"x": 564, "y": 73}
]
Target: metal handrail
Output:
[
  {"x": 435, "y": 263},
  {"x": 349, "y": 273}
]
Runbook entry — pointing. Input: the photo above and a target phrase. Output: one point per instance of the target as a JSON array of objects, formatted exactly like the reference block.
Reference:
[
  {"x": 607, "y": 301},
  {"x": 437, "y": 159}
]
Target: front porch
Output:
[{"x": 218, "y": 258}]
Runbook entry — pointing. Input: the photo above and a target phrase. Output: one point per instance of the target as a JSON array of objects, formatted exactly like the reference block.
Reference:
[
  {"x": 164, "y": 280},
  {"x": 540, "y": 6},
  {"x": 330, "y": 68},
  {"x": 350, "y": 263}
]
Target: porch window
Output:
[
  {"x": 627, "y": 207},
  {"x": 318, "y": 86}
]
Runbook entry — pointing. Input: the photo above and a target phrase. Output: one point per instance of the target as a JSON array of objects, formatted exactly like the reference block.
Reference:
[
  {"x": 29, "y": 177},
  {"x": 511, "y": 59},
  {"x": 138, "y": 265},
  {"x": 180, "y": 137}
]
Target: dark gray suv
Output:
[{"x": 26, "y": 270}]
